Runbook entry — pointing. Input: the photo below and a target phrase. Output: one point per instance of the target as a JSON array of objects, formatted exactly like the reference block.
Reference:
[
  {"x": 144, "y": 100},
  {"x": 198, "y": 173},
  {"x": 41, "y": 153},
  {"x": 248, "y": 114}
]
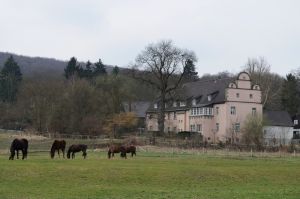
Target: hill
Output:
[{"x": 37, "y": 66}]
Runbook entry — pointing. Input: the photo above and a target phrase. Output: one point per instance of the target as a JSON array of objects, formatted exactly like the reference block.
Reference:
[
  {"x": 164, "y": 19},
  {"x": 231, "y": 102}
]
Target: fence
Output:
[{"x": 43, "y": 142}]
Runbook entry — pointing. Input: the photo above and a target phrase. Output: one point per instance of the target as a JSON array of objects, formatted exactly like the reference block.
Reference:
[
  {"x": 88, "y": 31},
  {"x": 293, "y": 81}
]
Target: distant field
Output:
[{"x": 149, "y": 175}]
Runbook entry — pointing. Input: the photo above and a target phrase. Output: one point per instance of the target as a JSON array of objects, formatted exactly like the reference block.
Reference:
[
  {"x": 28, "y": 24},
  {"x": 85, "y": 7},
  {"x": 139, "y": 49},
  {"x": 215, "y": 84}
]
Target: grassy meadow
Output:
[{"x": 149, "y": 175}]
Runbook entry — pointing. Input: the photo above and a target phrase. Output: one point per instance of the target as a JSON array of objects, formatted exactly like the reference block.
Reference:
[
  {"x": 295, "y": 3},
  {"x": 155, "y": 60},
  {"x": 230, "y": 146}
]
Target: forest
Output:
[{"x": 88, "y": 98}]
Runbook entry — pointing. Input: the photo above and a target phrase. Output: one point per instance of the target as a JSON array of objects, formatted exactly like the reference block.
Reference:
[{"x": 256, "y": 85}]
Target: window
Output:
[
  {"x": 295, "y": 122},
  {"x": 174, "y": 104},
  {"x": 199, "y": 128},
  {"x": 253, "y": 111},
  {"x": 237, "y": 95},
  {"x": 166, "y": 105},
  {"x": 174, "y": 116},
  {"x": 217, "y": 110},
  {"x": 217, "y": 127},
  {"x": 155, "y": 105},
  {"x": 251, "y": 96},
  {"x": 237, "y": 127},
  {"x": 232, "y": 110},
  {"x": 209, "y": 98},
  {"x": 194, "y": 102},
  {"x": 192, "y": 127},
  {"x": 182, "y": 104}
]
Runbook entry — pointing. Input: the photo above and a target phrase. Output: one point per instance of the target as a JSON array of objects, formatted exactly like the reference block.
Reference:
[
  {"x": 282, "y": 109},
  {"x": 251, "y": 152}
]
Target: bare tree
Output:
[
  {"x": 162, "y": 65},
  {"x": 270, "y": 83}
]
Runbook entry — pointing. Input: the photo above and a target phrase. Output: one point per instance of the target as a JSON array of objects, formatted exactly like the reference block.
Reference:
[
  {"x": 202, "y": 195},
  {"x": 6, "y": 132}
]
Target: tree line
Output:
[{"x": 89, "y": 100}]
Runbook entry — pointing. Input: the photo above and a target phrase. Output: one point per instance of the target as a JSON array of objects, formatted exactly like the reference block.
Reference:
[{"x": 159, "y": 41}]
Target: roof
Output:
[
  {"x": 138, "y": 107},
  {"x": 199, "y": 90},
  {"x": 278, "y": 118}
]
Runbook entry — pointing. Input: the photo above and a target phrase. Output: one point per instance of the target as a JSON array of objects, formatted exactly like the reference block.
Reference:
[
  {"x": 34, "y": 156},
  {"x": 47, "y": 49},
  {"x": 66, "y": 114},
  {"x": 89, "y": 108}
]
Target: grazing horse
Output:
[
  {"x": 121, "y": 149},
  {"x": 76, "y": 148},
  {"x": 16, "y": 145},
  {"x": 116, "y": 149},
  {"x": 56, "y": 146},
  {"x": 131, "y": 149}
]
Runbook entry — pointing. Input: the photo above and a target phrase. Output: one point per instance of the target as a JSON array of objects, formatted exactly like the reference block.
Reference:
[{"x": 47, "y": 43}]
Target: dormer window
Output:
[
  {"x": 194, "y": 102},
  {"x": 174, "y": 104},
  {"x": 166, "y": 105},
  {"x": 209, "y": 98},
  {"x": 182, "y": 103},
  {"x": 155, "y": 105},
  {"x": 295, "y": 122}
]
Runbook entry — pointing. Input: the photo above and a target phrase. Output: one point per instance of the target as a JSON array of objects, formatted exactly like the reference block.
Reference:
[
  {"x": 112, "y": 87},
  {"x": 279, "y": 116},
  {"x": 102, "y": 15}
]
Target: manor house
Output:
[{"x": 217, "y": 108}]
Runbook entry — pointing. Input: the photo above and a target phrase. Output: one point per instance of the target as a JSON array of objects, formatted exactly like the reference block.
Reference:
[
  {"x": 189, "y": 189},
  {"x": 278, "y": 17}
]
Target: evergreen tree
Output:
[
  {"x": 72, "y": 68},
  {"x": 10, "y": 79},
  {"x": 290, "y": 95},
  {"x": 99, "y": 69},
  {"x": 115, "y": 70},
  {"x": 189, "y": 71}
]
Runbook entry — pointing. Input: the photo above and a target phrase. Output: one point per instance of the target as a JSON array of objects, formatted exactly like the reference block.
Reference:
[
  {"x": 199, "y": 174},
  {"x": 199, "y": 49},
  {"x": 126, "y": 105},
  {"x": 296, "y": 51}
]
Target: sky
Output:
[{"x": 222, "y": 33}]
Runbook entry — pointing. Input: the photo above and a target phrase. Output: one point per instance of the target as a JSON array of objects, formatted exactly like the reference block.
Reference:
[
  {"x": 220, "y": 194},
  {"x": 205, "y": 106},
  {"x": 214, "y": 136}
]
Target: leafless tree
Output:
[
  {"x": 162, "y": 65},
  {"x": 270, "y": 83}
]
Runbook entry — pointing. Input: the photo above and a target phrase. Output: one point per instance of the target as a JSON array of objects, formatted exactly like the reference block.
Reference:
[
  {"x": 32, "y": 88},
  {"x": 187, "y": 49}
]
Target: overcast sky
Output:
[{"x": 222, "y": 33}]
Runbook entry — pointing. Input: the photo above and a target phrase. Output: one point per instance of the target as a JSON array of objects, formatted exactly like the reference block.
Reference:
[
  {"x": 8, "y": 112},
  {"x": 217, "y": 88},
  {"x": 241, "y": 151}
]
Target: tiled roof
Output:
[
  {"x": 199, "y": 90},
  {"x": 278, "y": 118}
]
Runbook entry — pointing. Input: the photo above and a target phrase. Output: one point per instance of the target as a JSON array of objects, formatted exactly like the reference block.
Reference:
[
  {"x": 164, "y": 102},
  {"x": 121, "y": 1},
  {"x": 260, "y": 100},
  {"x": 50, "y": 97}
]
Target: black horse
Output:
[
  {"x": 76, "y": 148},
  {"x": 56, "y": 146},
  {"x": 16, "y": 145},
  {"x": 131, "y": 149}
]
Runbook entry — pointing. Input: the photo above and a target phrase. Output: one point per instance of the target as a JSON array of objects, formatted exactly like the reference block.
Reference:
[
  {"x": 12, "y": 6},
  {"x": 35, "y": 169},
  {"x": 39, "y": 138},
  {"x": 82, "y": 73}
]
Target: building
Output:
[
  {"x": 279, "y": 128},
  {"x": 139, "y": 108},
  {"x": 296, "y": 131},
  {"x": 217, "y": 109}
]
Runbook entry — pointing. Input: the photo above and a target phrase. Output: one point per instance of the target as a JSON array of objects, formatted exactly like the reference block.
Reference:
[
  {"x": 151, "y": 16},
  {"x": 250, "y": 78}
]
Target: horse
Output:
[
  {"x": 116, "y": 149},
  {"x": 56, "y": 146},
  {"x": 131, "y": 149},
  {"x": 76, "y": 148},
  {"x": 121, "y": 149},
  {"x": 16, "y": 145}
]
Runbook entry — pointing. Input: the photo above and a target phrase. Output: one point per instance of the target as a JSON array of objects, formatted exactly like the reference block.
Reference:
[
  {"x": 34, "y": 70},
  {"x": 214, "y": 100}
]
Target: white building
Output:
[{"x": 279, "y": 128}]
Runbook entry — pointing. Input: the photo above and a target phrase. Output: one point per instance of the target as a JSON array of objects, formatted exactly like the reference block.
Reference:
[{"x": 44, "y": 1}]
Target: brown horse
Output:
[
  {"x": 56, "y": 146},
  {"x": 16, "y": 145},
  {"x": 121, "y": 149},
  {"x": 76, "y": 148}
]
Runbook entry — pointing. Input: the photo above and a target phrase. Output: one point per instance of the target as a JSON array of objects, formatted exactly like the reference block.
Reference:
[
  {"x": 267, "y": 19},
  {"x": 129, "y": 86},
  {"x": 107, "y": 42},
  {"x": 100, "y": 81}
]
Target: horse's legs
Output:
[
  {"x": 84, "y": 154},
  {"x": 17, "y": 154},
  {"x": 73, "y": 155},
  {"x": 12, "y": 155},
  {"x": 58, "y": 153},
  {"x": 113, "y": 154},
  {"x": 23, "y": 154}
]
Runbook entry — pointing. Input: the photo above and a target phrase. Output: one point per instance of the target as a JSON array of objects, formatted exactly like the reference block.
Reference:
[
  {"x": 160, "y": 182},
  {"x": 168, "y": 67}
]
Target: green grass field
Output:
[{"x": 149, "y": 175}]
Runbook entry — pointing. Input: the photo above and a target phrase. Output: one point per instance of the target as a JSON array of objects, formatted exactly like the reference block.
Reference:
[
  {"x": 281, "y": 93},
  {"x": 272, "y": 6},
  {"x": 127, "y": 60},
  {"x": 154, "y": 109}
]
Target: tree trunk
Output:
[{"x": 161, "y": 113}]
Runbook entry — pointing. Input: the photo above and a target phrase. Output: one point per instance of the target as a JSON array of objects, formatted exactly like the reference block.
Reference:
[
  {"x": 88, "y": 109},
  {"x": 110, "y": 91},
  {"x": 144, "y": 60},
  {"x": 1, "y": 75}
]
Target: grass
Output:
[{"x": 149, "y": 175}]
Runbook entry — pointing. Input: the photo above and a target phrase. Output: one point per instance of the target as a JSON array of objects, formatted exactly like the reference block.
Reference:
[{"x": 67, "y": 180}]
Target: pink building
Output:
[{"x": 217, "y": 109}]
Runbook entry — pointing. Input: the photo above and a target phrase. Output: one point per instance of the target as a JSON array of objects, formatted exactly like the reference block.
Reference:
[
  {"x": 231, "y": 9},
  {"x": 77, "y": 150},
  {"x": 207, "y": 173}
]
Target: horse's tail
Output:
[
  {"x": 69, "y": 152},
  {"x": 52, "y": 151}
]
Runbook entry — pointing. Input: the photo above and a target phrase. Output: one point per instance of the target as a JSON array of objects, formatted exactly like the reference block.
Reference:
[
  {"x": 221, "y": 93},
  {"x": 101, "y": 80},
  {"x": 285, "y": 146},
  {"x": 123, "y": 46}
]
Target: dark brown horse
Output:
[
  {"x": 77, "y": 148},
  {"x": 56, "y": 146},
  {"x": 121, "y": 149},
  {"x": 16, "y": 145}
]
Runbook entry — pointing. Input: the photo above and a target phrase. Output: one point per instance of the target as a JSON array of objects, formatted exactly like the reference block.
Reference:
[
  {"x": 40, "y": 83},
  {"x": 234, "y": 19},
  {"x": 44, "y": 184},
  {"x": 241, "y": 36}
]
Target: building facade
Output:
[{"x": 217, "y": 108}]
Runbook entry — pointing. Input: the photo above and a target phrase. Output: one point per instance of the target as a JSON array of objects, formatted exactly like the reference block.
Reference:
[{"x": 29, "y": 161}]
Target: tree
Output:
[
  {"x": 10, "y": 79},
  {"x": 190, "y": 73},
  {"x": 115, "y": 70},
  {"x": 163, "y": 66},
  {"x": 290, "y": 95},
  {"x": 99, "y": 69},
  {"x": 252, "y": 131},
  {"x": 72, "y": 68},
  {"x": 270, "y": 83}
]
